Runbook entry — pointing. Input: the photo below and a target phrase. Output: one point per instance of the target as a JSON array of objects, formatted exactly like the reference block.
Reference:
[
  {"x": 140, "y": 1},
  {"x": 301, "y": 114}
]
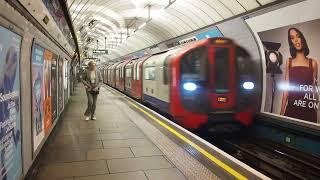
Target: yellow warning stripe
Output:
[{"x": 198, "y": 148}]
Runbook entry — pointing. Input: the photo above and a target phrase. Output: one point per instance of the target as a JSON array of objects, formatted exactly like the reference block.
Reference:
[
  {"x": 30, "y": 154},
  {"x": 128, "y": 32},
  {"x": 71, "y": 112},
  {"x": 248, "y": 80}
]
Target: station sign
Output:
[
  {"x": 188, "y": 40},
  {"x": 213, "y": 32},
  {"x": 100, "y": 51}
]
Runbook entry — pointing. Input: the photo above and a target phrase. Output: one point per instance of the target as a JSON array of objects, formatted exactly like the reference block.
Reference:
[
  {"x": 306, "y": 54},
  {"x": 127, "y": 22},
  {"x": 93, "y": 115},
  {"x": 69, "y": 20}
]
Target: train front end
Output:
[
  {"x": 232, "y": 83},
  {"x": 216, "y": 80}
]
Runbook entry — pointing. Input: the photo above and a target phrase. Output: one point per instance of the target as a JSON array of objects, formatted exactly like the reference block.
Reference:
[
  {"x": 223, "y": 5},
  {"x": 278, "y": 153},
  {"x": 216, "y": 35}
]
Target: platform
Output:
[{"x": 118, "y": 145}]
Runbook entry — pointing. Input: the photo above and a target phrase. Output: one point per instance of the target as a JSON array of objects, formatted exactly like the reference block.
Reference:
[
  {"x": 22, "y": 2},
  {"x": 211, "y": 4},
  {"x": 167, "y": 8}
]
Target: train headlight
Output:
[
  {"x": 189, "y": 86},
  {"x": 248, "y": 85}
]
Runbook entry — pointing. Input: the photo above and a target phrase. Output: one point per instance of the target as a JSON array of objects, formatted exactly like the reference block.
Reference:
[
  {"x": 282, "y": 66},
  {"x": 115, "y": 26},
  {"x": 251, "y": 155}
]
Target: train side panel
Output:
[
  {"x": 129, "y": 75},
  {"x": 155, "y": 90}
]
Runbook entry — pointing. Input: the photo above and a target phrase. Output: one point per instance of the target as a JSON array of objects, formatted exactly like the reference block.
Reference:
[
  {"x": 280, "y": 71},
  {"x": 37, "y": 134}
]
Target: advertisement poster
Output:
[
  {"x": 54, "y": 87},
  {"x": 37, "y": 95},
  {"x": 10, "y": 129},
  {"x": 292, "y": 57},
  {"x": 60, "y": 84},
  {"x": 47, "y": 90},
  {"x": 65, "y": 81},
  {"x": 69, "y": 80},
  {"x": 56, "y": 12}
]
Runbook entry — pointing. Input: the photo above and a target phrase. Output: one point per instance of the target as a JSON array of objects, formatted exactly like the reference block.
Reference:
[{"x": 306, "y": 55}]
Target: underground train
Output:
[{"x": 192, "y": 83}]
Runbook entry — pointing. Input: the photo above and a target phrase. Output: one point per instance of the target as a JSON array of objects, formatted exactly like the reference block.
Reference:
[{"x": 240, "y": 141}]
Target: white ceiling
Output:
[{"x": 118, "y": 21}]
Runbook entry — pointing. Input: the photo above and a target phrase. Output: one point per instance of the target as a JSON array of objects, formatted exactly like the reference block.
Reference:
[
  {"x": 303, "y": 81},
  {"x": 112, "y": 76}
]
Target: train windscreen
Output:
[
  {"x": 194, "y": 65},
  {"x": 221, "y": 69}
]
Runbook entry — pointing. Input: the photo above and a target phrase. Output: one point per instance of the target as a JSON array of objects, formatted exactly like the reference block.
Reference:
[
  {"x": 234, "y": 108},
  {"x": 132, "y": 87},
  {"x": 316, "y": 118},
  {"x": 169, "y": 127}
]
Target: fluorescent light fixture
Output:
[
  {"x": 189, "y": 86},
  {"x": 248, "y": 85},
  {"x": 157, "y": 13},
  {"x": 142, "y": 25}
]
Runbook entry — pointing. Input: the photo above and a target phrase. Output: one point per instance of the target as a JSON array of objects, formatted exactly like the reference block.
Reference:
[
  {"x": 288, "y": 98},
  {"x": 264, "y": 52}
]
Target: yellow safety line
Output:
[{"x": 198, "y": 148}]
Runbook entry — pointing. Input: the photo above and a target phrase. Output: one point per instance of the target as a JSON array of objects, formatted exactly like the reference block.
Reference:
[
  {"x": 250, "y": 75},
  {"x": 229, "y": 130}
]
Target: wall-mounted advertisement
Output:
[
  {"x": 290, "y": 48},
  {"x": 37, "y": 95},
  {"x": 54, "y": 87},
  {"x": 10, "y": 129},
  {"x": 56, "y": 12},
  {"x": 60, "y": 84},
  {"x": 65, "y": 81},
  {"x": 47, "y": 90},
  {"x": 69, "y": 80}
]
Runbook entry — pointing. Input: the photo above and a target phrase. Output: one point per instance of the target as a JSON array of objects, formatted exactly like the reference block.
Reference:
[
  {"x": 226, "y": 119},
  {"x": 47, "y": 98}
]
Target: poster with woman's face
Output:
[
  {"x": 290, "y": 49},
  {"x": 10, "y": 129},
  {"x": 296, "y": 78},
  {"x": 37, "y": 95}
]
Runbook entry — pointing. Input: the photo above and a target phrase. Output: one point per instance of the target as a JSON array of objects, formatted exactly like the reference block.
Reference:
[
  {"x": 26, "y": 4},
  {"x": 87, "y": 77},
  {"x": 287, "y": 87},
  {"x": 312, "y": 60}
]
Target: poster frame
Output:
[
  {"x": 10, "y": 26},
  {"x": 34, "y": 151}
]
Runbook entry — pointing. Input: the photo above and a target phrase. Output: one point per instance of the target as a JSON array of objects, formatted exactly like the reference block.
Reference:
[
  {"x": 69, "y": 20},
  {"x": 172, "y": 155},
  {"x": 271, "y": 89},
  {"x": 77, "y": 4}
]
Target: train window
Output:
[
  {"x": 133, "y": 71},
  {"x": 243, "y": 61},
  {"x": 150, "y": 73},
  {"x": 117, "y": 74},
  {"x": 222, "y": 69},
  {"x": 194, "y": 65},
  {"x": 123, "y": 71},
  {"x": 138, "y": 71},
  {"x": 166, "y": 71},
  {"x": 128, "y": 73}
]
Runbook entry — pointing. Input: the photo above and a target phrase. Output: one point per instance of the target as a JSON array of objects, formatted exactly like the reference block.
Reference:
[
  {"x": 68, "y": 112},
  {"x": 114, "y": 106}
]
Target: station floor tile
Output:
[
  {"x": 55, "y": 178},
  {"x": 83, "y": 168},
  {"x": 138, "y": 175},
  {"x": 109, "y": 153},
  {"x": 111, "y": 136},
  {"x": 77, "y": 145},
  {"x": 146, "y": 151},
  {"x": 165, "y": 174},
  {"x": 139, "y": 163},
  {"x": 142, "y": 142},
  {"x": 55, "y": 156}
]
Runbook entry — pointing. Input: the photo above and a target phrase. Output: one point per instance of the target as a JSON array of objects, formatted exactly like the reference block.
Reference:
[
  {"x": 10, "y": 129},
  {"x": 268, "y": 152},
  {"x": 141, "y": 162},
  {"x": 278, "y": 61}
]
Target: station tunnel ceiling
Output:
[{"x": 126, "y": 26}]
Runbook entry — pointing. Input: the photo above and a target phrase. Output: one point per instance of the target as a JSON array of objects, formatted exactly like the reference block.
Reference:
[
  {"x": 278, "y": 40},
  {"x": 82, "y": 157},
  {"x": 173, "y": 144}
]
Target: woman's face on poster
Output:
[
  {"x": 296, "y": 40},
  {"x": 11, "y": 62}
]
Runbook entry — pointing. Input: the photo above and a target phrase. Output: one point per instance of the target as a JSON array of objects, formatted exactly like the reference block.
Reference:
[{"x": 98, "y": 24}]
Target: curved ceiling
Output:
[{"x": 126, "y": 26}]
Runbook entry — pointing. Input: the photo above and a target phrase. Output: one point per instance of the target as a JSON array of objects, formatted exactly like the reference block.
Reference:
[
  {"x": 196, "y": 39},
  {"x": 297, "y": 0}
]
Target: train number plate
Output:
[{"x": 222, "y": 99}]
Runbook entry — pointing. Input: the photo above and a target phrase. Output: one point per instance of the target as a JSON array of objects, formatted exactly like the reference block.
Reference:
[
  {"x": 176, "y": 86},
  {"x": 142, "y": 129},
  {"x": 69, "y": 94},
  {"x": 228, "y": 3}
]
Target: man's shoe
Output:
[
  {"x": 94, "y": 118},
  {"x": 87, "y": 118}
]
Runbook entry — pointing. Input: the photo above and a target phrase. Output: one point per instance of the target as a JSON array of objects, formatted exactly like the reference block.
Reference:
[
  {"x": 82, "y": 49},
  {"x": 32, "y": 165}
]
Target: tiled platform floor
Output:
[{"x": 111, "y": 147}]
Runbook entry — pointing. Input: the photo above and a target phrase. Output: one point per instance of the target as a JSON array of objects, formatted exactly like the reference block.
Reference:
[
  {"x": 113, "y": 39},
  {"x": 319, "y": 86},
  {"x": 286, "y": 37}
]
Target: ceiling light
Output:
[{"x": 142, "y": 25}]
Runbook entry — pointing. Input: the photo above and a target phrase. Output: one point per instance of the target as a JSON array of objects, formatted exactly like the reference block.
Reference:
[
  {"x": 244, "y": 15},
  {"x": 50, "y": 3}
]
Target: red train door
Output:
[{"x": 222, "y": 81}]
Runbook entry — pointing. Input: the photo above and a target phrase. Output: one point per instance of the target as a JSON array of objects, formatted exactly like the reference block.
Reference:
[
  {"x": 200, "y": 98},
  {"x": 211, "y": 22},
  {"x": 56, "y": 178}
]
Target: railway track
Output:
[{"x": 274, "y": 160}]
